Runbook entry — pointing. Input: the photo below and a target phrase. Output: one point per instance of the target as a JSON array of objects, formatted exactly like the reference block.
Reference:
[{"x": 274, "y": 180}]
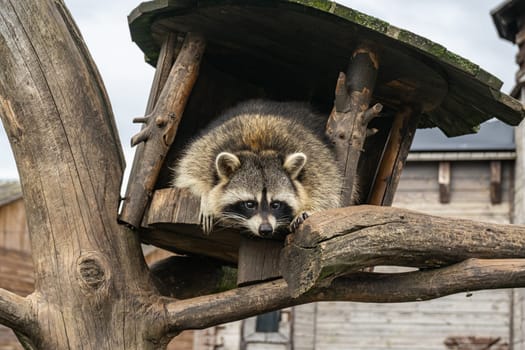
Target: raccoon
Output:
[{"x": 261, "y": 166}]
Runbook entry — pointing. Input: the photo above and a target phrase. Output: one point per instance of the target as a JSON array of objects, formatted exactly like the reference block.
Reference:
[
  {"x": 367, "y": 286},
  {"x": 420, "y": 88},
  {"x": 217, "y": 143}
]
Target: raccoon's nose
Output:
[{"x": 265, "y": 229}]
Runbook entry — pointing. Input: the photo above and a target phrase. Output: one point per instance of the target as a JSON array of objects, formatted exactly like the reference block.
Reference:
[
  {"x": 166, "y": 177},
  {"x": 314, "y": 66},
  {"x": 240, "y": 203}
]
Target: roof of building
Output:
[
  {"x": 9, "y": 192},
  {"x": 506, "y": 17},
  {"x": 492, "y": 136},
  {"x": 290, "y": 40}
]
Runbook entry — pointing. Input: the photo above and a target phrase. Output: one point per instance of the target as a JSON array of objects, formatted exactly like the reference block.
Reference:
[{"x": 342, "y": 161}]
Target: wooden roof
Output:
[
  {"x": 262, "y": 40},
  {"x": 9, "y": 192},
  {"x": 506, "y": 17}
]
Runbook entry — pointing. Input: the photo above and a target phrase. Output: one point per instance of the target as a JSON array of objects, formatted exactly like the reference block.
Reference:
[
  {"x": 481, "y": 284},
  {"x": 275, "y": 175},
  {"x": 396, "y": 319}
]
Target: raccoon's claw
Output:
[
  {"x": 299, "y": 219},
  {"x": 206, "y": 222},
  {"x": 205, "y": 216}
]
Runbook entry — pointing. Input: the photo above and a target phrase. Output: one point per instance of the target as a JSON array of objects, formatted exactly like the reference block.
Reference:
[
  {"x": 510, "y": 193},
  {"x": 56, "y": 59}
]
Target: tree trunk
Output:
[{"x": 89, "y": 271}]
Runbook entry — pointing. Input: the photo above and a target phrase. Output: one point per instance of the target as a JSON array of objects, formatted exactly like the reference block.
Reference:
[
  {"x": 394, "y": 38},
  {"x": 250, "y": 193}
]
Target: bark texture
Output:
[
  {"x": 92, "y": 287},
  {"x": 89, "y": 271},
  {"x": 340, "y": 241}
]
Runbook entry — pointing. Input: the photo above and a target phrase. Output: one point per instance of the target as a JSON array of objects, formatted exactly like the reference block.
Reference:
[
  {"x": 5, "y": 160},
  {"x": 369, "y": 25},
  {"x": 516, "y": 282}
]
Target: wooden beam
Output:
[
  {"x": 495, "y": 182},
  {"x": 258, "y": 260},
  {"x": 172, "y": 222},
  {"x": 444, "y": 182},
  {"x": 347, "y": 124},
  {"x": 394, "y": 157},
  {"x": 162, "y": 124}
]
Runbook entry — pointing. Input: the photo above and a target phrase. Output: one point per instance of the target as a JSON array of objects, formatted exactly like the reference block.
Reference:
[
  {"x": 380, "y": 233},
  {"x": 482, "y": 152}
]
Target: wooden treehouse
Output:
[{"x": 376, "y": 84}]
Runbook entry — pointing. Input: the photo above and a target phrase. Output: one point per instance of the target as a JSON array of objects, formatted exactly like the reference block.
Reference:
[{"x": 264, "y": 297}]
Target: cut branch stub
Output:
[
  {"x": 340, "y": 241},
  {"x": 347, "y": 124},
  {"x": 161, "y": 127}
]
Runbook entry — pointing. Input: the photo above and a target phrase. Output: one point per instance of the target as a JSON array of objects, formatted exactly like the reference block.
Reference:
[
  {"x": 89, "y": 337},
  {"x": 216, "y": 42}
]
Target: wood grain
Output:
[
  {"x": 162, "y": 125},
  {"x": 340, "y": 241}
]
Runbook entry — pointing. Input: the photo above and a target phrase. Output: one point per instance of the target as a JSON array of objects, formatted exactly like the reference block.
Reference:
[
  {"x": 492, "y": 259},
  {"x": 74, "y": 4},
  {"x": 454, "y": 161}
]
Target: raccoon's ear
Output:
[
  {"x": 294, "y": 163},
  {"x": 226, "y": 164}
]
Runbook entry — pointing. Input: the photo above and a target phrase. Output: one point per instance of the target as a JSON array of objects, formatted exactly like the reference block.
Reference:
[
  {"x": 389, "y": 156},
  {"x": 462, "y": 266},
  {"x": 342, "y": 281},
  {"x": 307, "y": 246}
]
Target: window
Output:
[{"x": 272, "y": 329}]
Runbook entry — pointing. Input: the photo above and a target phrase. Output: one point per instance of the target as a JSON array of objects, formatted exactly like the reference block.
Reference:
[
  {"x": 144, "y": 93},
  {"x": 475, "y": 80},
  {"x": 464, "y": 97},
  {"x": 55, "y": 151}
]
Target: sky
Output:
[{"x": 463, "y": 27}]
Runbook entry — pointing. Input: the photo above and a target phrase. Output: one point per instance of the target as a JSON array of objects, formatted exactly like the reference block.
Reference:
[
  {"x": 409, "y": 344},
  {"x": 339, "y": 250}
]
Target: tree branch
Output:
[
  {"x": 469, "y": 275},
  {"x": 340, "y": 241},
  {"x": 14, "y": 311}
]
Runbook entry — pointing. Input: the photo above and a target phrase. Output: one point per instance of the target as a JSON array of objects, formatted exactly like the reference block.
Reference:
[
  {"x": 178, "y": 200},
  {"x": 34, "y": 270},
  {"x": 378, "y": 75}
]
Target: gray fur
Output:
[{"x": 261, "y": 135}]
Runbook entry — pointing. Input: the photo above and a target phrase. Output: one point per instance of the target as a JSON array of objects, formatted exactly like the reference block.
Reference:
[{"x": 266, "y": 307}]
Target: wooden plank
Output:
[
  {"x": 412, "y": 325},
  {"x": 258, "y": 260},
  {"x": 167, "y": 56},
  {"x": 304, "y": 326},
  {"x": 495, "y": 182},
  {"x": 172, "y": 222},
  {"x": 396, "y": 152},
  {"x": 162, "y": 125},
  {"x": 444, "y": 182}
]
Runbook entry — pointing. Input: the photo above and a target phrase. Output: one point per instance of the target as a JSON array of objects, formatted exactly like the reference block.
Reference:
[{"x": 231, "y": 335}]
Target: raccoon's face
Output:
[{"x": 258, "y": 192}]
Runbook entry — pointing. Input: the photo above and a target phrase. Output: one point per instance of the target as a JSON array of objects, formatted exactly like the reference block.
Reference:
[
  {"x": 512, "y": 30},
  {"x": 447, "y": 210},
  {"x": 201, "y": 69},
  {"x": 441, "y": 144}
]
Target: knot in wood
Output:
[
  {"x": 93, "y": 272},
  {"x": 161, "y": 121}
]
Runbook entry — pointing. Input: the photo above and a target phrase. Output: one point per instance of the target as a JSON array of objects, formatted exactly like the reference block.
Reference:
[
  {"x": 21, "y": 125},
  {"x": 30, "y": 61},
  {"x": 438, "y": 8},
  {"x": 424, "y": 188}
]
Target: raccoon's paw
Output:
[{"x": 298, "y": 220}]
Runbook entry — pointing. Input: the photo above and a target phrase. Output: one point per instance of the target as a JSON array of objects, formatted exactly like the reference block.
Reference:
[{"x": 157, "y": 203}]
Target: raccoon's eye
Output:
[
  {"x": 250, "y": 205},
  {"x": 275, "y": 205}
]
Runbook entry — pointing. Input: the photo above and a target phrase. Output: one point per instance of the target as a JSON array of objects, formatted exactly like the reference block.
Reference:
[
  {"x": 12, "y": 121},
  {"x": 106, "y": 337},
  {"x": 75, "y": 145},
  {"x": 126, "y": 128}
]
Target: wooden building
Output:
[
  {"x": 16, "y": 268},
  {"x": 509, "y": 19}
]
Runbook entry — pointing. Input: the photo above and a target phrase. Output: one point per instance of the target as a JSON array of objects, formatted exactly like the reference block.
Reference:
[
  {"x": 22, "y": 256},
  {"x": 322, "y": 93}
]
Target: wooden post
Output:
[
  {"x": 347, "y": 124},
  {"x": 444, "y": 182},
  {"x": 495, "y": 182},
  {"x": 161, "y": 124},
  {"x": 258, "y": 260},
  {"x": 395, "y": 154}
]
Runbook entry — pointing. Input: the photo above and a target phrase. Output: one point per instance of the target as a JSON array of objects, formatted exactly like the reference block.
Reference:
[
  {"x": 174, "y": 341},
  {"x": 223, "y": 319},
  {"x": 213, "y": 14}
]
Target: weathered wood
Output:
[
  {"x": 472, "y": 343},
  {"x": 469, "y": 275},
  {"x": 62, "y": 132},
  {"x": 15, "y": 311},
  {"x": 347, "y": 125},
  {"x": 258, "y": 260},
  {"x": 60, "y": 126},
  {"x": 13, "y": 227},
  {"x": 172, "y": 220},
  {"x": 466, "y": 276},
  {"x": 495, "y": 182},
  {"x": 394, "y": 157},
  {"x": 340, "y": 241},
  {"x": 162, "y": 124},
  {"x": 444, "y": 182},
  {"x": 16, "y": 271},
  {"x": 168, "y": 53}
]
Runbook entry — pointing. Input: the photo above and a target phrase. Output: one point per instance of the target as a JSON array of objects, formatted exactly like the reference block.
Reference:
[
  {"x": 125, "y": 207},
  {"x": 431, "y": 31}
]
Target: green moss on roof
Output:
[
  {"x": 362, "y": 19},
  {"x": 472, "y": 96}
]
